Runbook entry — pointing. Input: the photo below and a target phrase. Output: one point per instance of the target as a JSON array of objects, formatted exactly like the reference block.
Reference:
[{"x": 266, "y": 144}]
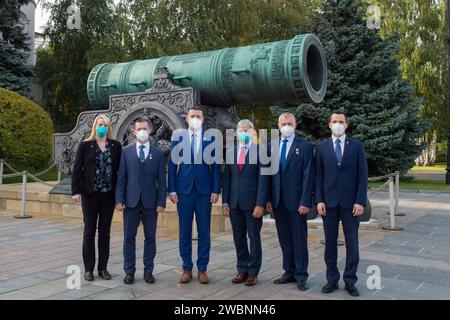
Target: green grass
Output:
[
  {"x": 418, "y": 184},
  {"x": 414, "y": 184},
  {"x": 52, "y": 175},
  {"x": 437, "y": 168}
]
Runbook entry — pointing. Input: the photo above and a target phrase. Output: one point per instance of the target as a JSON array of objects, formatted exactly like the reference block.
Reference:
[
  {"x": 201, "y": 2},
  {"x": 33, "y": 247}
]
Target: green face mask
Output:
[
  {"x": 244, "y": 137},
  {"x": 102, "y": 131}
]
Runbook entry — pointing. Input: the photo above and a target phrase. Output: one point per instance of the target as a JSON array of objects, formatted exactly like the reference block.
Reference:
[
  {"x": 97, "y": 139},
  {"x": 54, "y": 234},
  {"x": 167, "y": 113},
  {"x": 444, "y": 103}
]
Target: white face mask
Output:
[
  {"x": 142, "y": 135},
  {"x": 287, "y": 130},
  {"x": 195, "y": 124},
  {"x": 337, "y": 129}
]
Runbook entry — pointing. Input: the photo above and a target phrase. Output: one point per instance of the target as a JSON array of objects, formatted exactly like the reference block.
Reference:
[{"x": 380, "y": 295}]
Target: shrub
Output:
[{"x": 25, "y": 132}]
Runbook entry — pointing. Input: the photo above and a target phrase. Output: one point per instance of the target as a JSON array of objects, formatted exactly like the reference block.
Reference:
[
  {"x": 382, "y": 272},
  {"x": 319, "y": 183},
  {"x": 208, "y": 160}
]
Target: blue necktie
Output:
[
  {"x": 338, "y": 151},
  {"x": 141, "y": 153},
  {"x": 193, "y": 148},
  {"x": 283, "y": 154}
]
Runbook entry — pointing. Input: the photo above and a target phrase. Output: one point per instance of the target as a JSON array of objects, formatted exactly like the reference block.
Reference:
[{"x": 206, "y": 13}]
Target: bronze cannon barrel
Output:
[{"x": 283, "y": 72}]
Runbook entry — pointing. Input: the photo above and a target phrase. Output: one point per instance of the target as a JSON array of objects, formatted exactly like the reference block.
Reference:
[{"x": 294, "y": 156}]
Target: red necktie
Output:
[{"x": 241, "y": 158}]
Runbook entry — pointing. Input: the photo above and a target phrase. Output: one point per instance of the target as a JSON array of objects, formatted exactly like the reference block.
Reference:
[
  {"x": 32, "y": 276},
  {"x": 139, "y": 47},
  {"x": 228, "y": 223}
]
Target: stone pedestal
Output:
[{"x": 40, "y": 202}]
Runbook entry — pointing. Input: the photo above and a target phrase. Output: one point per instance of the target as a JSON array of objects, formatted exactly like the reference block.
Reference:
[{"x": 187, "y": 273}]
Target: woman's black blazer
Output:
[{"x": 84, "y": 168}]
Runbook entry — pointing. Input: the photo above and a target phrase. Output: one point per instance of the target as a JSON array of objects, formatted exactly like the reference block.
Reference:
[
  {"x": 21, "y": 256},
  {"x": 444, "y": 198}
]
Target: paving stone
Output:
[
  {"x": 119, "y": 293},
  {"x": 414, "y": 263},
  {"x": 18, "y": 283},
  {"x": 74, "y": 294}
]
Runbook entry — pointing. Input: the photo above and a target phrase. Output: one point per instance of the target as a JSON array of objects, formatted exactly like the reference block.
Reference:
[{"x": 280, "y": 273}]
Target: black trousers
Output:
[{"x": 97, "y": 208}]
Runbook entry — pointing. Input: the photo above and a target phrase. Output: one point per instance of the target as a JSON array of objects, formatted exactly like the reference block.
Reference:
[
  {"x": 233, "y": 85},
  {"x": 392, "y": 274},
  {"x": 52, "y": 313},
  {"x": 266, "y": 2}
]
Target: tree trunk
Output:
[{"x": 428, "y": 156}]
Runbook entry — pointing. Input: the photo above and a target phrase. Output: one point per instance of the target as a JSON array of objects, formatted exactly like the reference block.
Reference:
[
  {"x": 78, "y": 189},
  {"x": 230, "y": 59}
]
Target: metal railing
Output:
[
  {"x": 393, "y": 181},
  {"x": 25, "y": 174}
]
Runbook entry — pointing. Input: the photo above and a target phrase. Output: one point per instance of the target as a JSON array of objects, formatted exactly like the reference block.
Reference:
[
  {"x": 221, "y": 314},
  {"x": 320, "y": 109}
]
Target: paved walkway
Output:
[
  {"x": 414, "y": 263},
  {"x": 427, "y": 175}
]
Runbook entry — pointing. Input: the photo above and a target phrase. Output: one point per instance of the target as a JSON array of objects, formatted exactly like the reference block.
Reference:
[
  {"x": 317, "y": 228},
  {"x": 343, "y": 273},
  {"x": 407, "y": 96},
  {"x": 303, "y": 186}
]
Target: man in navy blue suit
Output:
[
  {"x": 194, "y": 185},
  {"x": 244, "y": 197},
  {"x": 341, "y": 195},
  {"x": 141, "y": 195},
  {"x": 291, "y": 200}
]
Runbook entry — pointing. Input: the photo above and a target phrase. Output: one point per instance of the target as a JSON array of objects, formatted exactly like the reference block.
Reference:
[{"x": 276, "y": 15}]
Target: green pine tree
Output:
[
  {"x": 364, "y": 81},
  {"x": 15, "y": 73}
]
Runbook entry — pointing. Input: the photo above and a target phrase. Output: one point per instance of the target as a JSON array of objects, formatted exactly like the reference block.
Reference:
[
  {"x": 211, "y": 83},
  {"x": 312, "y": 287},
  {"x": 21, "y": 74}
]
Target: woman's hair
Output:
[{"x": 94, "y": 126}]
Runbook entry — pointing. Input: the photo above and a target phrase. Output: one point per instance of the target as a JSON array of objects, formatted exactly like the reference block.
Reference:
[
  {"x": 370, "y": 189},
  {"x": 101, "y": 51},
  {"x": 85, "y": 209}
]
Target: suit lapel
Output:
[
  {"x": 200, "y": 144},
  {"x": 148, "y": 158},
  {"x": 246, "y": 160},
  {"x": 331, "y": 150},
  {"x": 347, "y": 147},
  {"x": 139, "y": 165},
  {"x": 235, "y": 165},
  {"x": 291, "y": 150},
  {"x": 134, "y": 156},
  {"x": 91, "y": 150},
  {"x": 110, "y": 143},
  {"x": 253, "y": 153}
]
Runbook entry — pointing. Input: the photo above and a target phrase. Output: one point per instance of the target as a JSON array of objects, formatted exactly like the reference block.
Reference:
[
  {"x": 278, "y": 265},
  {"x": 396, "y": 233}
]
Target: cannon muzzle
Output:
[{"x": 282, "y": 72}]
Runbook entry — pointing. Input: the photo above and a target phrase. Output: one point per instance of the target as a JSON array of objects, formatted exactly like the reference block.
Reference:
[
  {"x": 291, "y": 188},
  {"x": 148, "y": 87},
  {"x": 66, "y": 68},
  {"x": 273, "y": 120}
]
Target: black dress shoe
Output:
[
  {"x": 104, "y": 274},
  {"x": 330, "y": 287},
  {"x": 148, "y": 277},
  {"x": 89, "y": 276},
  {"x": 351, "y": 289},
  {"x": 283, "y": 280},
  {"x": 301, "y": 285},
  {"x": 129, "y": 278}
]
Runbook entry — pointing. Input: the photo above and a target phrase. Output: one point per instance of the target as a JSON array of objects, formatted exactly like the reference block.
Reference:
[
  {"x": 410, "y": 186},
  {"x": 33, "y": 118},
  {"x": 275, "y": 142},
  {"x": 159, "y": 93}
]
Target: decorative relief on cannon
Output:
[
  {"x": 164, "y": 105},
  {"x": 285, "y": 71},
  {"x": 162, "y": 89}
]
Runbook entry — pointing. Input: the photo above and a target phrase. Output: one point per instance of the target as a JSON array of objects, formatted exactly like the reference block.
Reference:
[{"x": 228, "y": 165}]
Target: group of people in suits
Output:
[{"x": 133, "y": 180}]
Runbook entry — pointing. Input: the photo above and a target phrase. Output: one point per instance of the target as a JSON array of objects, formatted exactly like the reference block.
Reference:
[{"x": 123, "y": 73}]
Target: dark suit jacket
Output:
[
  {"x": 83, "y": 171},
  {"x": 248, "y": 188},
  {"x": 296, "y": 181},
  {"x": 182, "y": 176},
  {"x": 141, "y": 181},
  {"x": 342, "y": 185}
]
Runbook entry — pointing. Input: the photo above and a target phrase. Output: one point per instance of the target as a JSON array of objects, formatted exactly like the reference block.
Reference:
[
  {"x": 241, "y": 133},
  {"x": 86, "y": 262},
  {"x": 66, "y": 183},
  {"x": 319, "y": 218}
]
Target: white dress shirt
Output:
[
  {"x": 247, "y": 147},
  {"x": 198, "y": 137},
  {"x": 146, "y": 149},
  {"x": 240, "y": 146},
  {"x": 288, "y": 143},
  {"x": 342, "y": 138}
]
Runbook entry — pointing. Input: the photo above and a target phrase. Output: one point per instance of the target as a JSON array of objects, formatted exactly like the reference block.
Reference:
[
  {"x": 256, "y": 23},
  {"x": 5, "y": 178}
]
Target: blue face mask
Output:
[
  {"x": 102, "y": 131},
  {"x": 244, "y": 137}
]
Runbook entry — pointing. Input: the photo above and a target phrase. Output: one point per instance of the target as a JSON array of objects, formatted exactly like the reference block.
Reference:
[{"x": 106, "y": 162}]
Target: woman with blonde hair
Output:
[{"x": 94, "y": 177}]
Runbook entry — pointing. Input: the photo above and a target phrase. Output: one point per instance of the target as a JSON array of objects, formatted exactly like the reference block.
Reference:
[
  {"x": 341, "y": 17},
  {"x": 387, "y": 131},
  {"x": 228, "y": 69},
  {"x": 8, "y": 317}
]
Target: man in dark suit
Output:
[
  {"x": 141, "y": 194},
  {"x": 291, "y": 200},
  {"x": 341, "y": 194},
  {"x": 244, "y": 198},
  {"x": 194, "y": 185}
]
